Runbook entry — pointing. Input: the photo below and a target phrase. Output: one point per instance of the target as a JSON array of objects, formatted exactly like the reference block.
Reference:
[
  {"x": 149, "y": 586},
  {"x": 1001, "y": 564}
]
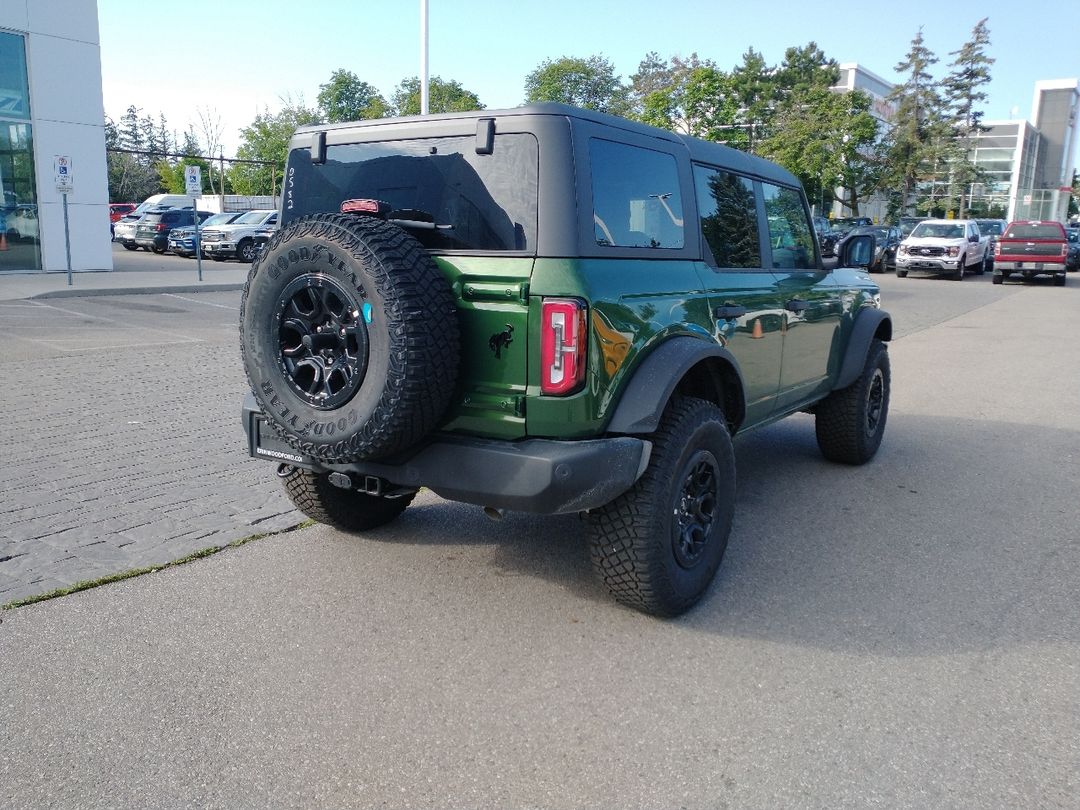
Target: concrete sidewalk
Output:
[{"x": 134, "y": 273}]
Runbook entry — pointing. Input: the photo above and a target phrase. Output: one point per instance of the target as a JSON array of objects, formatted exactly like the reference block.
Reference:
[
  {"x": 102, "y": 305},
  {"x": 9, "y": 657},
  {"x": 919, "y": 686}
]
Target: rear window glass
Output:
[
  {"x": 990, "y": 227},
  {"x": 483, "y": 202},
  {"x": 636, "y": 198},
  {"x": 1034, "y": 230}
]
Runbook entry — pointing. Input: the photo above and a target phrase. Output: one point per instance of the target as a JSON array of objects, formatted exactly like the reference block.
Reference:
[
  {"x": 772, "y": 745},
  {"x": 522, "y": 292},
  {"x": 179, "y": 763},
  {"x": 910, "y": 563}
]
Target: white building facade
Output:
[{"x": 51, "y": 105}]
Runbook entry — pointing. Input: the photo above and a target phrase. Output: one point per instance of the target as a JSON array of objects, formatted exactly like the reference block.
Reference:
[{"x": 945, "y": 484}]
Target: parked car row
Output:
[{"x": 162, "y": 227}]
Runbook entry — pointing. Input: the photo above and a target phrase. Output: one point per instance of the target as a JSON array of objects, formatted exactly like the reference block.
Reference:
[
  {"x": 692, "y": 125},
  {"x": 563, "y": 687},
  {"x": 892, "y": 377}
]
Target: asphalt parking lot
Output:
[{"x": 902, "y": 634}]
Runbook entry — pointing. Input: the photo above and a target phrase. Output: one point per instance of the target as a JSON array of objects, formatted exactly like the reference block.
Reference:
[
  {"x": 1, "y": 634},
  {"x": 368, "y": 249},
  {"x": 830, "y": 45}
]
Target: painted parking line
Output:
[
  {"x": 178, "y": 338},
  {"x": 196, "y": 301}
]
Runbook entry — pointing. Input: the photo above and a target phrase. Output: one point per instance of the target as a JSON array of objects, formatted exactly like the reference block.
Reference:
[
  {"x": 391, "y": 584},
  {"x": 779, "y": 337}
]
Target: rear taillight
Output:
[
  {"x": 563, "y": 339},
  {"x": 1064, "y": 249},
  {"x": 997, "y": 249},
  {"x": 160, "y": 226}
]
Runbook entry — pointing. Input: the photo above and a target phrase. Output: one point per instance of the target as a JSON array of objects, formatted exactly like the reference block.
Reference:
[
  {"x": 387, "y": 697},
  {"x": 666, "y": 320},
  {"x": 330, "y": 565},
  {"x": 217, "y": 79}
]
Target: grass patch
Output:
[{"x": 87, "y": 584}]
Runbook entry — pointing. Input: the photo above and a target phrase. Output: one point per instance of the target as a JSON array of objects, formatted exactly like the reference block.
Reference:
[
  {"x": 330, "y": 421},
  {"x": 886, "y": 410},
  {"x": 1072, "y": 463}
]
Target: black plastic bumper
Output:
[{"x": 532, "y": 475}]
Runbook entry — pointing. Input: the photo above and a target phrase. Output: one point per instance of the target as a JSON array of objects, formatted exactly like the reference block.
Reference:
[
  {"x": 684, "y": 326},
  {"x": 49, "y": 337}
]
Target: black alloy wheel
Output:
[
  {"x": 696, "y": 509},
  {"x": 323, "y": 340},
  {"x": 875, "y": 402}
]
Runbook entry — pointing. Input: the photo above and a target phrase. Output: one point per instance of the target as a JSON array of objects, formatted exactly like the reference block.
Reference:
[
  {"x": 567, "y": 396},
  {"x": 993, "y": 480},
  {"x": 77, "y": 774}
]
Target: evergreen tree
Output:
[
  {"x": 910, "y": 143},
  {"x": 963, "y": 93}
]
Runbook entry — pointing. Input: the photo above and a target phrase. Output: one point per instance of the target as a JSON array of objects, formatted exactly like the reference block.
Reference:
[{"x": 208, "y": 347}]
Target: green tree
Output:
[
  {"x": 657, "y": 92},
  {"x": 827, "y": 139},
  {"x": 443, "y": 97},
  {"x": 267, "y": 139},
  {"x": 346, "y": 98},
  {"x": 590, "y": 83},
  {"x": 132, "y": 177},
  {"x": 753, "y": 88},
  {"x": 964, "y": 90},
  {"x": 909, "y": 145}
]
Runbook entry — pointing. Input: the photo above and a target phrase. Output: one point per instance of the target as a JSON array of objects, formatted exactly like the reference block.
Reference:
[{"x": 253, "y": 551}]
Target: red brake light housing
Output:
[
  {"x": 376, "y": 207},
  {"x": 563, "y": 341}
]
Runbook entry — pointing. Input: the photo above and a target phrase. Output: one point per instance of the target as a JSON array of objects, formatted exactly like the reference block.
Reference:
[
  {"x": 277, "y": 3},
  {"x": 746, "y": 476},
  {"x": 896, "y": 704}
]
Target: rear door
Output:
[{"x": 745, "y": 297}]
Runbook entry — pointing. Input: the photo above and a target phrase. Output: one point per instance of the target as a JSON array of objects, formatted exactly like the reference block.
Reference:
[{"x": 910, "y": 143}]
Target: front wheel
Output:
[
  {"x": 958, "y": 274},
  {"x": 157, "y": 250},
  {"x": 344, "y": 509},
  {"x": 658, "y": 546},
  {"x": 1059, "y": 281},
  {"x": 850, "y": 423},
  {"x": 981, "y": 267},
  {"x": 246, "y": 251}
]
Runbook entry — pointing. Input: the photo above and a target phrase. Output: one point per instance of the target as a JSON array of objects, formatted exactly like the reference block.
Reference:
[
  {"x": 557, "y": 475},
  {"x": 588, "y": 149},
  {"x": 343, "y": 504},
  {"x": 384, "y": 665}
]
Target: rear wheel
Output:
[
  {"x": 1059, "y": 281},
  {"x": 658, "y": 546},
  {"x": 981, "y": 267},
  {"x": 129, "y": 247},
  {"x": 901, "y": 273},
  {"x": 344, "y": 509},
  {"x": 998, "y": 278}
]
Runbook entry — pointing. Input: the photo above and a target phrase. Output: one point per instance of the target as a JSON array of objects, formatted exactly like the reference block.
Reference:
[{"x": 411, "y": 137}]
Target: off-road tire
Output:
[
  {"x": 634, "y": 541},
  {"x": 850, "y": 422},
  {"x": 344, "y": 509},
  {"x": 391, "y": 298},
  {"x": 1059, "y": 281}
]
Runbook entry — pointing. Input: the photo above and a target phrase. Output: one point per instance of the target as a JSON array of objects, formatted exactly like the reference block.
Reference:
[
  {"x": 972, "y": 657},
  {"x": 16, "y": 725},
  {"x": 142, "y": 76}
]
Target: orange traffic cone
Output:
[
  {"x": 3, "y": 241},
  {"x": 757, "y": 331}
]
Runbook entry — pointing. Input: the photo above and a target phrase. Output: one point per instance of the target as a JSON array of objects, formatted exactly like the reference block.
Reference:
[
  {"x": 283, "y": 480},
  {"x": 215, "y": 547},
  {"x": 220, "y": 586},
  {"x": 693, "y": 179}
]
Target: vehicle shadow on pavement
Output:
[{"x": 929, "y": 549}]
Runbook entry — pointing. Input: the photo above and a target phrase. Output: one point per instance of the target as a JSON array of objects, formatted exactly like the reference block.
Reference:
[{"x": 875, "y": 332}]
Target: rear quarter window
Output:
[{"x": 636, "y": 197}]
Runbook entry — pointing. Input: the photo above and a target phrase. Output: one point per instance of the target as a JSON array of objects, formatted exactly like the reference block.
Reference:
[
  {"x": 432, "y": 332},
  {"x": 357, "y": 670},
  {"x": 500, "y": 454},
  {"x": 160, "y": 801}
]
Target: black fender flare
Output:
[
  {"x": 868, "y": 324},
  {"x": 647, "y": 394}
]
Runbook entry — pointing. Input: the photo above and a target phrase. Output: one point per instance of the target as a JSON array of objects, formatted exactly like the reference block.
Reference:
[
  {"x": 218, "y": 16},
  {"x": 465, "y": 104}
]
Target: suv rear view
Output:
[{"x": 551, "y": 310}]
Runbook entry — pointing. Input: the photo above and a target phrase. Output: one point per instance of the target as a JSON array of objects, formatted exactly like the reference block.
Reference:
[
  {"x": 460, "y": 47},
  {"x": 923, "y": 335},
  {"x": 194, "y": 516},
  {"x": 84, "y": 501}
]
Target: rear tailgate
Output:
[{"x": 492, "y": 298}]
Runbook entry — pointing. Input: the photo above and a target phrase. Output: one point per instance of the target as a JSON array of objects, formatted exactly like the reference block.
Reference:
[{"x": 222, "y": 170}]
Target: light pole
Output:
[{"x": 423, "y": 57}]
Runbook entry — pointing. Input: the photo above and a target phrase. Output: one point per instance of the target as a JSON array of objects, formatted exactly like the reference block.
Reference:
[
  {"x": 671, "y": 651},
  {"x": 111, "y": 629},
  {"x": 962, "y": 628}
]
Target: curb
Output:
[{"x": 183, "y": 288}]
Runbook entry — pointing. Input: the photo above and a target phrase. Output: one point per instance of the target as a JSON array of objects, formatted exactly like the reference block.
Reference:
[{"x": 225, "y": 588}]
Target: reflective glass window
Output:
[
  {"x": 636, "y": 197},
  {"x": 729, "y": 220}
]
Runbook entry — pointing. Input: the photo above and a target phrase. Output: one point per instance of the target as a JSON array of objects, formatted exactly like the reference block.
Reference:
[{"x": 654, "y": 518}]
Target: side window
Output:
[
  {"x": 636, "y": 198},
  {"x": 789, "y": 229},
  {"x": 728, "y": 217}
]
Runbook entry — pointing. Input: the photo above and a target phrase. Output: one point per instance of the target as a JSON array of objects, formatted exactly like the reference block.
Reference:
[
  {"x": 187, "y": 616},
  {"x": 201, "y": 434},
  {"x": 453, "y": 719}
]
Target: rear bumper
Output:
[
  {"x": 1028, "y": 267},
  {"x": 532, "y": 475}
]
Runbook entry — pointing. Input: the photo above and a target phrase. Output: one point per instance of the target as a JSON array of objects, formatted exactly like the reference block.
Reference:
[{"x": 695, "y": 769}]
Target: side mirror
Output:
[
  {"x": 858, "y": 251},
  {"x": 973, "y": 238}
]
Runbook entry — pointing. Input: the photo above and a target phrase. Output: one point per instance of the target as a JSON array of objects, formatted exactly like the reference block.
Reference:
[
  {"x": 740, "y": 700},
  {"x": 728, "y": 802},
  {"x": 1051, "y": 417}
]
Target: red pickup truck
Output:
[{"x": 1032, "y": 248}]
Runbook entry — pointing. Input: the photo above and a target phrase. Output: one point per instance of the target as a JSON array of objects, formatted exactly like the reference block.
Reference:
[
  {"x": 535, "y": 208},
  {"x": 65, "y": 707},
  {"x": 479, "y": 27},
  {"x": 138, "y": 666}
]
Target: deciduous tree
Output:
[
  {"x": 346, "y": 98},
  {"x": 590, "y": 83},
  {"x": 443, "y": 96}
]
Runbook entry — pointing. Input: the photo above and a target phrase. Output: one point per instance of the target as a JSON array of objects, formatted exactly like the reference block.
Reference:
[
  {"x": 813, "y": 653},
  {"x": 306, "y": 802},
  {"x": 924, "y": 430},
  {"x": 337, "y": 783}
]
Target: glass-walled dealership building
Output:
[
  {"x": 51, "y": 105},
  {"x": 1027, "y": 165}
]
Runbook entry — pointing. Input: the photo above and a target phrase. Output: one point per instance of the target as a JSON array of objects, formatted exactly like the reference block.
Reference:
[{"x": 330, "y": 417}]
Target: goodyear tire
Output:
[
  {"x": 658, "y": 546},
  {"x": 349, "y": 337}
]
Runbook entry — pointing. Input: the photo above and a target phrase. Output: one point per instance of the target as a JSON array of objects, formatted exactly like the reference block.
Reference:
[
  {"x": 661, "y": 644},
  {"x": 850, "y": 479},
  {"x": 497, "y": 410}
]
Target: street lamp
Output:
[{"x": 423, "y": 57}]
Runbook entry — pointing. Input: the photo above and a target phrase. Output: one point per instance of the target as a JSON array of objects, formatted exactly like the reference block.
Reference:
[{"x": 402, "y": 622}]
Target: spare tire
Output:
[{"x": 349, "y": 336}]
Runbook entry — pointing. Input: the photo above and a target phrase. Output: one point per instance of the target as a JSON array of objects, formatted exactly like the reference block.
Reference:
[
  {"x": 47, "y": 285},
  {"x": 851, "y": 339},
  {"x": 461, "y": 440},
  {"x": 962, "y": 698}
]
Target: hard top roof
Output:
[{"x": 700, "y": 150}]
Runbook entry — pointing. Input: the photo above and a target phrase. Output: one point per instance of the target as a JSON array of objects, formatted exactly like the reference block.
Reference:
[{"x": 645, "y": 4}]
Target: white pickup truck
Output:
[
  {"x": 238, "y": 237},
  {"x": 944, "y": 246}
]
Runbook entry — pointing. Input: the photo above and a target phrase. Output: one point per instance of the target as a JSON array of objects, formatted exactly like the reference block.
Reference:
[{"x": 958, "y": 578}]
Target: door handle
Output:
[
  {"x": 729, "y": 312},
  {"x": 797, "y": 305}
]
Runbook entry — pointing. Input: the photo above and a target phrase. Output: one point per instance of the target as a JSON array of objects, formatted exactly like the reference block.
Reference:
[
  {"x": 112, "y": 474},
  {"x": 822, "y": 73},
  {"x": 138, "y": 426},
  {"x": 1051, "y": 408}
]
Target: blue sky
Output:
[{"x": 236, "y": 57}]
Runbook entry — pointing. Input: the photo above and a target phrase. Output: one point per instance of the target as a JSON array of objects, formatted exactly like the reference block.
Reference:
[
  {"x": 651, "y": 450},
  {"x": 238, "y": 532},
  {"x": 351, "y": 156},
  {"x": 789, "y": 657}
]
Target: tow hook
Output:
[{"x": 285, "y": 470}]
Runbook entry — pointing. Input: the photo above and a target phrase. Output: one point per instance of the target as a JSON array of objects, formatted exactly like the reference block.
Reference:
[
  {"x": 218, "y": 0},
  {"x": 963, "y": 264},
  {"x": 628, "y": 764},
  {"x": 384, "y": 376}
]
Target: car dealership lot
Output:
[{"x": 905, "y": 633}]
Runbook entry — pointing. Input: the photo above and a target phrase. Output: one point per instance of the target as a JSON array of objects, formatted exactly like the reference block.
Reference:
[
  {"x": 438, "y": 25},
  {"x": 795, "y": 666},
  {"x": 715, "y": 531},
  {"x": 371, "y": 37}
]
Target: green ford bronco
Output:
[{"x": 551, "y": 310}]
